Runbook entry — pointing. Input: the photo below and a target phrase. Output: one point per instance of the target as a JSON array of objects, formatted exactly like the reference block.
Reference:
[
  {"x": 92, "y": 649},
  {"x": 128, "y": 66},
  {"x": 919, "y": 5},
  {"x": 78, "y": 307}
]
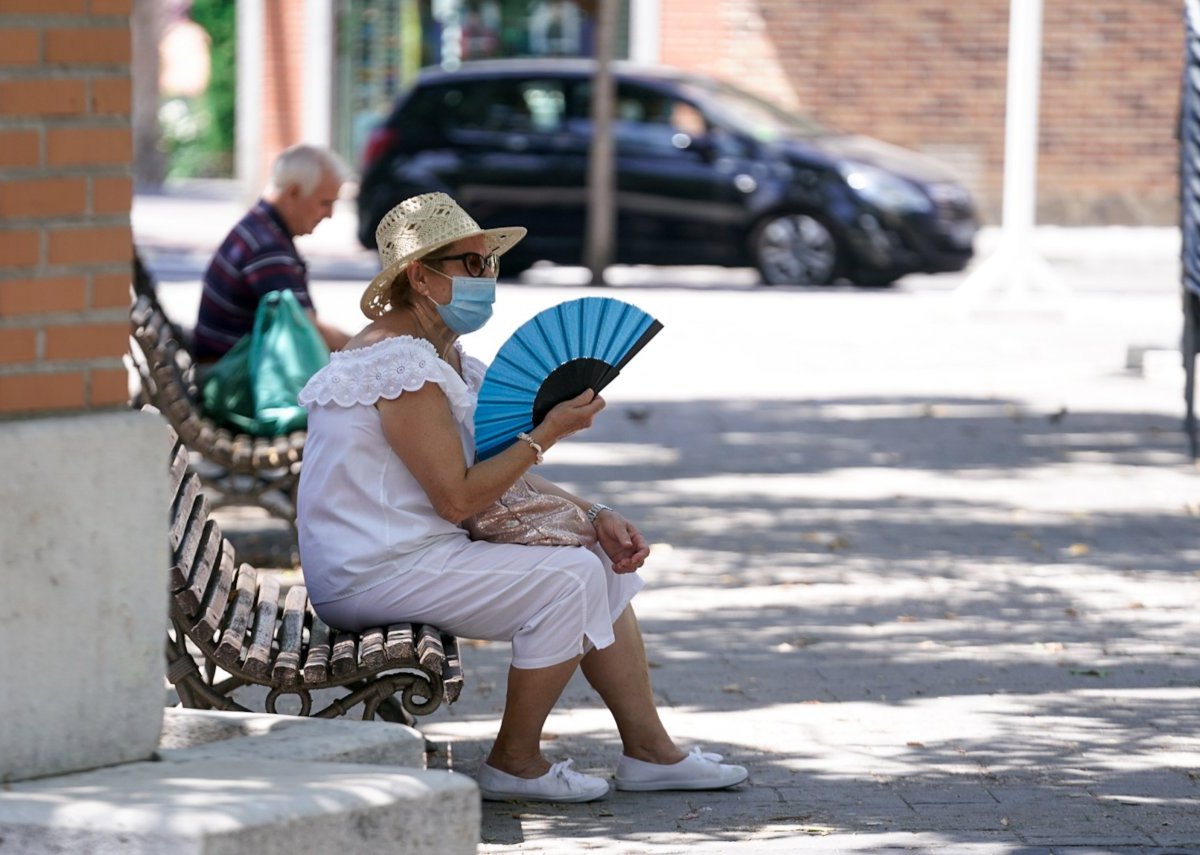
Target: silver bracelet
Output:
[
  {"x": 594, "y": 511},
  {"x": 533, "y": 443}
]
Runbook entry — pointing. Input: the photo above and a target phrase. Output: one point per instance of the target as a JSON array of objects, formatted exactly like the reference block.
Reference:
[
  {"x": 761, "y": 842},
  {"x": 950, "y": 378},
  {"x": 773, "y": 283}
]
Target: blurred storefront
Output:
[
  {"x": 926, "y": 74},
  {"x": 328, "y": 70},
  {"x": 381, "y": 44}
]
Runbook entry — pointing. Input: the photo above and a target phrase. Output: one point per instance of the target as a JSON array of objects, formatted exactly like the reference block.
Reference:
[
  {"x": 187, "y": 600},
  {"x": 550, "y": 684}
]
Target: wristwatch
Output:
[{"x": 594, "y": 511}]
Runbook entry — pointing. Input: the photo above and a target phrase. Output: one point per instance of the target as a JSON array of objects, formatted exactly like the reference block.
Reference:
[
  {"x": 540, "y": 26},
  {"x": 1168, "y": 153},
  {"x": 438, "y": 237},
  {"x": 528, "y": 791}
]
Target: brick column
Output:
[
  {"x": 65, "y": 192},
  {"x": 283, "y": 78},
  {"x": 83, "y": 530}
]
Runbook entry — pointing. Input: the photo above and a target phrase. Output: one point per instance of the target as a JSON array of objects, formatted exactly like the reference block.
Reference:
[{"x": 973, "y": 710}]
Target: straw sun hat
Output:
[{"x": 417, "y": 227}]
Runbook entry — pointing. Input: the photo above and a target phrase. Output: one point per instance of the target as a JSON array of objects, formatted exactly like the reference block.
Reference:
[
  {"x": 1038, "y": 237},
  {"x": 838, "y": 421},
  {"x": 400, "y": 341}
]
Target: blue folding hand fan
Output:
[{"x": 552, "y": 357}]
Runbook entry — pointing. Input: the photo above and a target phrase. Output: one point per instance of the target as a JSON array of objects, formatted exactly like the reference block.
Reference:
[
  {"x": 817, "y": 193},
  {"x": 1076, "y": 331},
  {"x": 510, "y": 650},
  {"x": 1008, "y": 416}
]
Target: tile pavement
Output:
[{"x": 929, "y": 569}]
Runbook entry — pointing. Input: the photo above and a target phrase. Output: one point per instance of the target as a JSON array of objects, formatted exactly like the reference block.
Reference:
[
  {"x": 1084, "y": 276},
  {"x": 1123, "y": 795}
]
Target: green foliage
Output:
[{"x": 198, "y": 134}]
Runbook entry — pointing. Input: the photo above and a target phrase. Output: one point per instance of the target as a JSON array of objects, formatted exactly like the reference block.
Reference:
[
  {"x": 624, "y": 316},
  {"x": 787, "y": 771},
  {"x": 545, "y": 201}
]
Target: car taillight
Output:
[{"x": 379, "y": 142}]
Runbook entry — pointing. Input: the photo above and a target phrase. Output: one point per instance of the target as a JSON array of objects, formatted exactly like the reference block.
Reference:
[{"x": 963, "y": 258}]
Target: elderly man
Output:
[{"x": 259, "y": 256}]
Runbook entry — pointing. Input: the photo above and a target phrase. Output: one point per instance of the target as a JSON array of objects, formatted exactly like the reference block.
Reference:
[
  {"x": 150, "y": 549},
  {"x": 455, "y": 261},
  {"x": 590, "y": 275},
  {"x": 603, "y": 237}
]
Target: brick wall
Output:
[
  {"x": 283, "y": 78},
  {"x": 931, "y": 75},
  {"x": 65, "y": 195}
]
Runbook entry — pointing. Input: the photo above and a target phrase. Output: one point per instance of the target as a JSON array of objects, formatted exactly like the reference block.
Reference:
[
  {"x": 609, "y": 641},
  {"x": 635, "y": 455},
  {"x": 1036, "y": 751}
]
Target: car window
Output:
[
  {"x": 749, "y": 114},
  {"x": 508, "y": 106},
  {"x": 727, "y": 143},
  {"x": 638, "y": 106},
  {"x": 646, "y": 120}
]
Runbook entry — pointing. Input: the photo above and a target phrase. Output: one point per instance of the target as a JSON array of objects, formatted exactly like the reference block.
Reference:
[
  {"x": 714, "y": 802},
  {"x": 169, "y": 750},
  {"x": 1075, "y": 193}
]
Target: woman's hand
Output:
[
  {"x": 621, "y": 541},
  {"x": 570, "y": 417}
]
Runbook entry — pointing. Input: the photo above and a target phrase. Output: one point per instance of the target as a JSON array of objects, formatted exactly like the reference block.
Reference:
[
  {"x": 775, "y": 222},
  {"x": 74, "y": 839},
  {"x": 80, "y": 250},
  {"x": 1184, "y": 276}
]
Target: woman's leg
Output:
[
  {"x": 620, "y": 674},
  {"x": 532, "y": 693}
]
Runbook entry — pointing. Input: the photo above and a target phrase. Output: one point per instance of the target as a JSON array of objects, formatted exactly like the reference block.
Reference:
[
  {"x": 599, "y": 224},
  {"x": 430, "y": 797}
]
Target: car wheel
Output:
[{"x": 794, "y": 249}]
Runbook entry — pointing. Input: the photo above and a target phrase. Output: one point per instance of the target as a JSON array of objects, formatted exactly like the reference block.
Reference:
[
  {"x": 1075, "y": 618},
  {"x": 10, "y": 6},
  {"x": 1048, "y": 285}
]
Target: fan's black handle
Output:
[{"x": 569, "y": 380}]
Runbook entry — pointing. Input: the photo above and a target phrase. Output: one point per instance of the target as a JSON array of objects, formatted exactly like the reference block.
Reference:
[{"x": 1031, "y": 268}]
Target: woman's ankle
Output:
[
  {"x": 522, "y": 765},
  {"x": 663, "y": 753}
]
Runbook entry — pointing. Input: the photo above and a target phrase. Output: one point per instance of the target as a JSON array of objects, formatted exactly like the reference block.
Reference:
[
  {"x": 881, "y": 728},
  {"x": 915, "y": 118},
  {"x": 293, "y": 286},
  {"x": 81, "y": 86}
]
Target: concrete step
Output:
[
  {"x": 208, "y": 735},
  {"x": 222, "y": 807},
  {"x": 230, "y": 783}
]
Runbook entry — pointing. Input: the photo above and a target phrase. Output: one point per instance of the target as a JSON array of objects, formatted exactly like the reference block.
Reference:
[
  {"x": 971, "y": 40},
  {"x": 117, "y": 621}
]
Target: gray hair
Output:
[{"x": 304, "y": 166}]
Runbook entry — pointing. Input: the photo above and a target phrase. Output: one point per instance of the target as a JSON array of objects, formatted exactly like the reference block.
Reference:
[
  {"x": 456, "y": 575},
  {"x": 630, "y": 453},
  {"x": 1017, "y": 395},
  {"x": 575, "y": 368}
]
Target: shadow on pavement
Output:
[
  {"x": 953, "y": 624},
  {"x": 955, "y": 618}
]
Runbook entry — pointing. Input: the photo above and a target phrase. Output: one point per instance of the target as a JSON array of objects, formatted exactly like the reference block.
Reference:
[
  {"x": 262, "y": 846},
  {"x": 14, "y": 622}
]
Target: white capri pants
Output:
[{"x": 547, "y": 600}]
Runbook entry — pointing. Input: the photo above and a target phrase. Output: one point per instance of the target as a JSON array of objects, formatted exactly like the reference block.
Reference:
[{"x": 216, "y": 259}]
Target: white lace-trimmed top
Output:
[{"x": 362, "y": 517}]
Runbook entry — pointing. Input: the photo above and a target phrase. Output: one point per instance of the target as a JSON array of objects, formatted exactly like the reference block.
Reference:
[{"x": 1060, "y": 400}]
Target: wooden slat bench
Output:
[
  {"x": 239, "y": 468},
  {"x": 230, "y": 627}
]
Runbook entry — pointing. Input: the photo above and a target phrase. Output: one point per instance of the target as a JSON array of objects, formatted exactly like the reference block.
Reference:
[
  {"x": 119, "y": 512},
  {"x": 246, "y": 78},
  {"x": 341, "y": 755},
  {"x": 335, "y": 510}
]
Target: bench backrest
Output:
[
  {"x": 241, "y": 619},
  {"x": 167, "y": 376}
]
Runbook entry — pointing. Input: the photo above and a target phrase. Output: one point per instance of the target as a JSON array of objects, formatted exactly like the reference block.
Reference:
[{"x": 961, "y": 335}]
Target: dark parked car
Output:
[{"x": 706, "y": 174}]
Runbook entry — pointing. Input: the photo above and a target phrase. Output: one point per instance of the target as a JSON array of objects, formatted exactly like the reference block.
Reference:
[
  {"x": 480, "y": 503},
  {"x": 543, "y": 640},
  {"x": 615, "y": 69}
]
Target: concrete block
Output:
[
  {"x": 190, "y": 735},
  {"x": 233, "y": 807},
  {"x": 84, "y": 543}
]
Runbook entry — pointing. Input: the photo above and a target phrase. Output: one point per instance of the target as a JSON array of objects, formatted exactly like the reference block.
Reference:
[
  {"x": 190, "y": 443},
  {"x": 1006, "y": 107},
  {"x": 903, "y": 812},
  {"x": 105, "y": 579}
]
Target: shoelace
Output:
[
  {"x": 707, "y": 755},
  {"x": 562, "y": 771}
]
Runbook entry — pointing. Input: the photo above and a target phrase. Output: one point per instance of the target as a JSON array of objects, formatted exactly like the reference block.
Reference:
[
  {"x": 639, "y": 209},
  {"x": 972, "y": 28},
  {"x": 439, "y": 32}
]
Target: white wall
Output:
[{"x": 83, "y": 546}]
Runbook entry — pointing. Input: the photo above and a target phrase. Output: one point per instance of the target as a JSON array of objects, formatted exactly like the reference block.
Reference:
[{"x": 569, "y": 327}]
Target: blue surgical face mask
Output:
[{"x": 470, "y": 306}]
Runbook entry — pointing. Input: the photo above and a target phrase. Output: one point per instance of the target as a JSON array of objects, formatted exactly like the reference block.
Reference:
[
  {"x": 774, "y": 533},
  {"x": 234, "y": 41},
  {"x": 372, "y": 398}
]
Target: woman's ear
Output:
[{"x": 416, "y": 278}]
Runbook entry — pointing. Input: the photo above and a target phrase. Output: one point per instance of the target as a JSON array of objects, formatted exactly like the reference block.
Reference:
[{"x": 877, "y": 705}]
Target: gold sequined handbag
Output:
[{"x": 526, "y": 515}]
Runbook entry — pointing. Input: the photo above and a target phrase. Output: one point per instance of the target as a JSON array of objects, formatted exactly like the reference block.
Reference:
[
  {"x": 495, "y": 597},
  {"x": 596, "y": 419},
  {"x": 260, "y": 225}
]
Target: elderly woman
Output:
[{"x": 390, "y": 474}]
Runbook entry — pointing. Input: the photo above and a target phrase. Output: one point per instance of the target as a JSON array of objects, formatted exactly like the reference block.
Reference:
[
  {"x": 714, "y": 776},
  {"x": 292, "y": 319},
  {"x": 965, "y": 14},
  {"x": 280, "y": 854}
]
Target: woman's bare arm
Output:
[{"x": 421, "y": 429}]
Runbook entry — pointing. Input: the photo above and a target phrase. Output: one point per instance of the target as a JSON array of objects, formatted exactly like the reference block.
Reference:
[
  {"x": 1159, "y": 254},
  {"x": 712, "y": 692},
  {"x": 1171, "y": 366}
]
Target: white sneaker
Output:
[
  {"x": 560, "y": 784},
  {"x": 697, "y": 771}
]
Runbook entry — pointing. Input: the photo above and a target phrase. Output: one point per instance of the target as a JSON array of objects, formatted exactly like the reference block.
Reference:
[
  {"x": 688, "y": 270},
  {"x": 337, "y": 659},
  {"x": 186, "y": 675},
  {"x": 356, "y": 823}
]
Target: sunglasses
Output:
[{"x": 476, "y": 264}]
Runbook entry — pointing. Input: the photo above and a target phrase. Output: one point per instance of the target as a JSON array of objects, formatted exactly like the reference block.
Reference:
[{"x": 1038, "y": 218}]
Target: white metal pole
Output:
[
  {"x": 1021, "y": 117},
  {"x": 251, "y": 18},
  {"x": 644, "y": 20},
  {"x": 317, "y": 76},
  {"x": 1015, "y": 268}
]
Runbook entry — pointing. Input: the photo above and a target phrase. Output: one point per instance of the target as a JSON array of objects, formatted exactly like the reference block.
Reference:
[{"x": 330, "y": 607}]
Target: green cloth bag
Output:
[{"x": 253, "y": 387}]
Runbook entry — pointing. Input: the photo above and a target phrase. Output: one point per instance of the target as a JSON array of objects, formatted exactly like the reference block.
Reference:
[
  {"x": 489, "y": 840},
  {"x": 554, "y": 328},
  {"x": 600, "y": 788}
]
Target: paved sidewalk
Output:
[
  {"x": 934, "y": 583},
  {"x": 929, "y": 569}
]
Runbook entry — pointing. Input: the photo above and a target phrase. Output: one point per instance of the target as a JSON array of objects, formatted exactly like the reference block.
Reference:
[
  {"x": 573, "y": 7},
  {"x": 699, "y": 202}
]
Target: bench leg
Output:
[
  {"x": 188, "y": 681},
  {"x": 390, "y": 709}
]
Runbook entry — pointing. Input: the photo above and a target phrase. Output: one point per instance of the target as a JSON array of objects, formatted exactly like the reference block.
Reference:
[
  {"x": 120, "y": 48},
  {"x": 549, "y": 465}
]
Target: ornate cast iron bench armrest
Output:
[{"x": 233, "y": 626}]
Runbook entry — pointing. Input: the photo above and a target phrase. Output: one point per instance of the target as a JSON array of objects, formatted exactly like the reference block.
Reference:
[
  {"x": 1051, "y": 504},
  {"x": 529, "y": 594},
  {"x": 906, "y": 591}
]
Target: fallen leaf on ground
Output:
[{"x": 820, "y": 830}]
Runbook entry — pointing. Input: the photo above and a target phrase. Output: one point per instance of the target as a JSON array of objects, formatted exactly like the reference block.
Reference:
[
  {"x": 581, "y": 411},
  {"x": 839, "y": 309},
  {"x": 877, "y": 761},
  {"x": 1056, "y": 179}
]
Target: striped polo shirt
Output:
[{"x": 257, "y": 257}]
